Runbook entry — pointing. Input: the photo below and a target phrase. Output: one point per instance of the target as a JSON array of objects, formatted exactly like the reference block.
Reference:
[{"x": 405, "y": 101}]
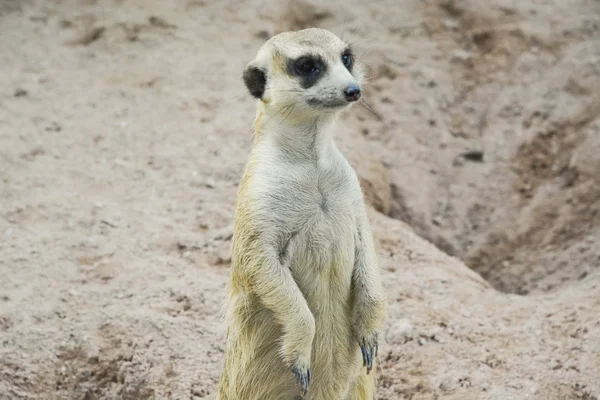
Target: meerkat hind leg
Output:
[{"x": 364, "y": 388}]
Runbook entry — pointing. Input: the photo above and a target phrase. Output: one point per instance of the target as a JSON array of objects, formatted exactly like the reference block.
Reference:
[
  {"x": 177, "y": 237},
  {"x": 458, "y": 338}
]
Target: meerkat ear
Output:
[{"x": 255, "y": 79}]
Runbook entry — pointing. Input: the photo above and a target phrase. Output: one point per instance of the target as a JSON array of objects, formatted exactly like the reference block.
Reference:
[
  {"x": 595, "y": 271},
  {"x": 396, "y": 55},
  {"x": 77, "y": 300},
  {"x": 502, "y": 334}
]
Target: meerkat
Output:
[{"x": 305, "y": 299}]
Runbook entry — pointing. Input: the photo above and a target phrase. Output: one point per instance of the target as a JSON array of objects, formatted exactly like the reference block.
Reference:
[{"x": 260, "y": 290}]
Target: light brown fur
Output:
[{"x": 305, "y": 290}]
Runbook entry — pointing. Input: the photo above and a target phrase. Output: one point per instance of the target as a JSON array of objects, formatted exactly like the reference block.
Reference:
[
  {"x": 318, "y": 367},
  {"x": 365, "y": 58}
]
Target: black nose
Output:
[{"x": 352, "y": 93}]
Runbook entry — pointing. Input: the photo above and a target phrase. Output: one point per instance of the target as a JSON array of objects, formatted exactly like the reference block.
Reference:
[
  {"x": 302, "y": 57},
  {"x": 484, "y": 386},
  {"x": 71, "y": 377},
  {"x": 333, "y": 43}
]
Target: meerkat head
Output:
[{"x": 311, "y": 70}]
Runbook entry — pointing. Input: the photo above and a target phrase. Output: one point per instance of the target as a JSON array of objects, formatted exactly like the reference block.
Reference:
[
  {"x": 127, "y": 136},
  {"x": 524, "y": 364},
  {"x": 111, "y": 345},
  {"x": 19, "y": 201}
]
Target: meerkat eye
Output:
[
  {"x": 348, "y": 59},
  {"x": 307, "y": 66}
]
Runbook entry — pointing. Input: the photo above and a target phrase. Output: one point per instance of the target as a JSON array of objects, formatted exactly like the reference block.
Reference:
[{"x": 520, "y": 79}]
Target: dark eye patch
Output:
[
  {"x": 308, "y": 69},
  {"x": 348, "y": 59}
]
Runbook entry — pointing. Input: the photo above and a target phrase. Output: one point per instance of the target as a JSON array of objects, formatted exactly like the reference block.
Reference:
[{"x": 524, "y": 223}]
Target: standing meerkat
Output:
[{"x": 305, "y": 300}]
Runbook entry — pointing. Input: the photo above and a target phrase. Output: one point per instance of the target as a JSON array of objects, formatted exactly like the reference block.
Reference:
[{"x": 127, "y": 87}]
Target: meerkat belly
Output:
[
  {"x": 322, "y": 257},
  {"x": 322, "y": 261}
]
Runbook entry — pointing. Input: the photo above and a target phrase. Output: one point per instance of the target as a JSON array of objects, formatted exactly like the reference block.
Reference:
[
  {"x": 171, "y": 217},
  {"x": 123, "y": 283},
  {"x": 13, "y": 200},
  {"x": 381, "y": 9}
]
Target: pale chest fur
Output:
[{"x": 308, "y": 209}]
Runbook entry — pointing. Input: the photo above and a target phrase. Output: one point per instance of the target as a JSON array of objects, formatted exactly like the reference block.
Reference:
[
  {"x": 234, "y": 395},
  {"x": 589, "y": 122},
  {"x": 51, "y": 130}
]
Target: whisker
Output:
[
  {"x": 286, "y": 107},
  {"x": 288, "y": 114},
  {"x": 353, "y": 31},
  {"x": 232, "y": 98},
  {"x": 369, "y": 108}
]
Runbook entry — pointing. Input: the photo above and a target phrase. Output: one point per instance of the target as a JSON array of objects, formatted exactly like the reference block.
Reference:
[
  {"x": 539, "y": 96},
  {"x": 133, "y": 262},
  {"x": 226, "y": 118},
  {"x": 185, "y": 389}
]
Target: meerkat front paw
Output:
[
  {"x": 369, "y": 347},
  {"x": 368, "y": 320},
  {"x": 297, "y": 348},
  {"x": 302, "y": 374},
  {"x": 301, "y": 369}
]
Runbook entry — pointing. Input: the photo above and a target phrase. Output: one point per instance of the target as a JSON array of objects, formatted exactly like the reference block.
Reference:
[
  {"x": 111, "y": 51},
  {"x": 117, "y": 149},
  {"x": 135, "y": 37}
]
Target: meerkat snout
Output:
[
  {"x": 312, "y": 70},
  {"x": 352, "y": 93}
]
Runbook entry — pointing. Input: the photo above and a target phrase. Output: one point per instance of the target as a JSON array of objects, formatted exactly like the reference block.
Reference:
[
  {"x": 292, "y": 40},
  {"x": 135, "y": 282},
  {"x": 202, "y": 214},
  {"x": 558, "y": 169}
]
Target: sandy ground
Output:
[{"x": 124, "y": 128}]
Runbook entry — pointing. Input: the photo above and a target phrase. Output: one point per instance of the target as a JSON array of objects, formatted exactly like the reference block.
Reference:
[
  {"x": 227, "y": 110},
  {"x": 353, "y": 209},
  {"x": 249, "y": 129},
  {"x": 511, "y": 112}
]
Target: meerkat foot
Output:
[{"x": 303, "y": 377}]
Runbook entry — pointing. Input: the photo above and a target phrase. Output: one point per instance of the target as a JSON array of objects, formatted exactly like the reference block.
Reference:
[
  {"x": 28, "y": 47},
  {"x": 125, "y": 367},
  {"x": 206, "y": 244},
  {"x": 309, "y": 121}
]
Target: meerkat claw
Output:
[
  {"x": 371, "y": 357},
  {"x": 363, "y": 350},
  {"x": 369, "y": 353},
  {"x": 367, "y": 362},
  {"x": 303, "y": 378}
]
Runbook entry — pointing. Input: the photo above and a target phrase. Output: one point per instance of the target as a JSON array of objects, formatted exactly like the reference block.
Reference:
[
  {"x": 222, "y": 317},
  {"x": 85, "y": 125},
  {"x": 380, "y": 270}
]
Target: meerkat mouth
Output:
[
  {"x": 322, "y": 104},
  {"x": 331, "y": 100}
]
